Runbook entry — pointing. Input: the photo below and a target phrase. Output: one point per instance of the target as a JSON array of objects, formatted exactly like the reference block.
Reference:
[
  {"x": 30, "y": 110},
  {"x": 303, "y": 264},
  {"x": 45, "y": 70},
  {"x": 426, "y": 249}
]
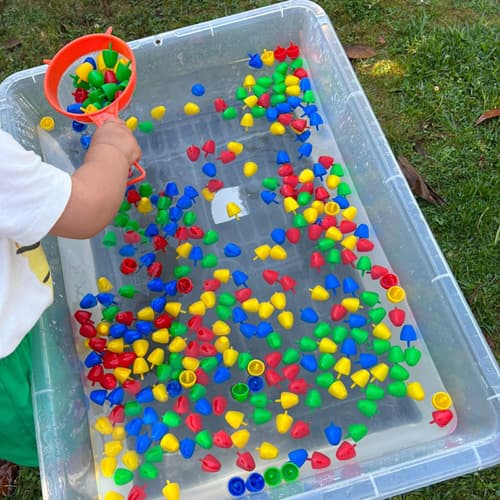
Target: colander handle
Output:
[
  {"x": 111, "y": 111},
  {"x": 141, "y": 175}
]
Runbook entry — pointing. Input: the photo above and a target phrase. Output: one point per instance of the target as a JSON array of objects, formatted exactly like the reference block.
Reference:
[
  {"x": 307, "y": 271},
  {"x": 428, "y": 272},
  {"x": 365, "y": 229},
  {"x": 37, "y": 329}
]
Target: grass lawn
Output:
[{"x": 446, "y": 57}]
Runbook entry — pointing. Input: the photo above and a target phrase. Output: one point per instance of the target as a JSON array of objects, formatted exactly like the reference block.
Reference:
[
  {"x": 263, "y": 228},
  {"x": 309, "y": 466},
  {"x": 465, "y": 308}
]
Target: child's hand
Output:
[
  {"x": 97, "y": 187},
  {"x": 115, "y": 133}
]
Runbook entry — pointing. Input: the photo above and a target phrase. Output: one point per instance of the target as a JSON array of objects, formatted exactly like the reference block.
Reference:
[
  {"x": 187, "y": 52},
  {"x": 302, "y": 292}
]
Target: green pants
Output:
[{"x": 17, "y": 427}]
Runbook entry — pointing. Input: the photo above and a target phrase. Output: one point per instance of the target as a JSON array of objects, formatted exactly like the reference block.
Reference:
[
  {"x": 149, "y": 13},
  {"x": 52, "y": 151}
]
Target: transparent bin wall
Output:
[{"x": 168, "y": 65}]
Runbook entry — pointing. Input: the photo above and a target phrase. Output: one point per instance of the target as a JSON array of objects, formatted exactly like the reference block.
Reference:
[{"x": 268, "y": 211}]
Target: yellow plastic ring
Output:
[
  {"x": 332, "y": 208},
  {"x": 256, "y": 367},
  {"x": 396, "y": 294},
  {"x": 47, "y": 123},
  {"x": 441, "y": 400},
  {"x": 187, "y": 378}
]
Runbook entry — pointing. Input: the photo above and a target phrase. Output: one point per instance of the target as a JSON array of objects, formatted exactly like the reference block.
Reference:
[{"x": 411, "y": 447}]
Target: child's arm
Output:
[{"x": 97, "y": 187}]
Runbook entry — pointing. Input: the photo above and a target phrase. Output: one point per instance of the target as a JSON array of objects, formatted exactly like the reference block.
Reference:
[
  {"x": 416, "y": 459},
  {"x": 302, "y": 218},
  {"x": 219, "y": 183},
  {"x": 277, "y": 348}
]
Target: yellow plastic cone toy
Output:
[
  {"x": 288, "y": 400},
  {"x": 360, "y": 378},
  {"x": 232, "y": 210},
  {"x": 235, "y": 418},
  {"x": 283, "y": 422},
  {"x": 267, "y": 451}
]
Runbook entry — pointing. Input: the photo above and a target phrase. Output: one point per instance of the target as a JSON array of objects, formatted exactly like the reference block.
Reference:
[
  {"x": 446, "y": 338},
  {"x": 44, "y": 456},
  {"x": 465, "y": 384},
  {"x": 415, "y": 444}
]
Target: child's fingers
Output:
[{"x": 115, "y": 120}]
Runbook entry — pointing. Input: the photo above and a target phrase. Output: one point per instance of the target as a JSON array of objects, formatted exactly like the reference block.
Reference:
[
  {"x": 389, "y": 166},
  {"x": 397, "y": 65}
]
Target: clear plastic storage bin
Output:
[{"x": 402, "y": 450}]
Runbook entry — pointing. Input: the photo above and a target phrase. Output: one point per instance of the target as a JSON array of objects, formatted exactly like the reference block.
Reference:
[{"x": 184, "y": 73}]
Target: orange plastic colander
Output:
[{"x": 73, "y": 52}]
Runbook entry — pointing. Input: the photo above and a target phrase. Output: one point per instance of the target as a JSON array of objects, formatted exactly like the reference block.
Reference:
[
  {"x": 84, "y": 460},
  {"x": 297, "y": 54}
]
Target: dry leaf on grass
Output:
[
  {"x": 419, "y": 148},
  {"x": 11, "y": 44},
  {"x": 8, "y": 475},
  {"x": 418, "y": 184},
  {"x": 488, "y": 115},
  {"x": 106, "y": 8},
  {"x": 359, "y": 51},
  {"x": 489, "y": 341}
]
